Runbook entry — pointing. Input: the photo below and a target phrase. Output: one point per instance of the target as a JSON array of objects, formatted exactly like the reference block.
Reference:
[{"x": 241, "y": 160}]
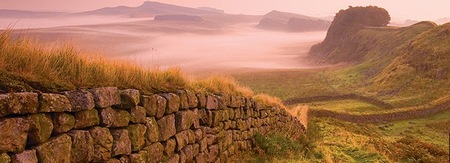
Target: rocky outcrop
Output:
[{"x": 125, "y": 126}]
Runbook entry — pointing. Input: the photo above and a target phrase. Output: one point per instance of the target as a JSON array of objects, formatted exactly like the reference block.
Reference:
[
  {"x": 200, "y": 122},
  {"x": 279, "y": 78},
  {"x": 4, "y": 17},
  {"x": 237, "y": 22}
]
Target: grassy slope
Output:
[{"x": 402, "y": 66}]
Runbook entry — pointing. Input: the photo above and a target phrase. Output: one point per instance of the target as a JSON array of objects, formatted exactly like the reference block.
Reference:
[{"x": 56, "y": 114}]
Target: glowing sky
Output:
[{"x": 399, "y": 9}]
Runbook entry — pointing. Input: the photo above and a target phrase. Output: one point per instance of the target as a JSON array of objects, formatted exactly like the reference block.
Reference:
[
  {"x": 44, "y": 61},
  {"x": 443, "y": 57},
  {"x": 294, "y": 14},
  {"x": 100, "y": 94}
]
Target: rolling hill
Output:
[
  {"x": 404, "y": 62},
  {"x": 283, "y": 21},
  {"x": 148, "y": 9}
]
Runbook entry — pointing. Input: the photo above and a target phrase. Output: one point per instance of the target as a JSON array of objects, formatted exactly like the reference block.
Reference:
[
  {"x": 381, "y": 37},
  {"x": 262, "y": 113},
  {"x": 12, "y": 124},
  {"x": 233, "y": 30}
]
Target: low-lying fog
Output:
[{"x": 196, "y": 48}]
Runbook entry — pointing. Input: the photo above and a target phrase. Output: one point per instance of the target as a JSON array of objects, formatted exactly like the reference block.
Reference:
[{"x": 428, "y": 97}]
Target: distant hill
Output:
[
  {"x": 211, "y": 9},
  {"x": 149, "y": 9},
  {"x": 27, "y": 14},
  {"x": 290, "y": 22},
  {"x": 189, "y": 18}
]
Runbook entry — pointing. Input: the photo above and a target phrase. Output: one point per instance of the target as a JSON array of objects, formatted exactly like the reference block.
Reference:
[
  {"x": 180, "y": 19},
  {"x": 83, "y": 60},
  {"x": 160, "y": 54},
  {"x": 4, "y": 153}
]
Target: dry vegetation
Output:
[{"x": 26, "y": 65}]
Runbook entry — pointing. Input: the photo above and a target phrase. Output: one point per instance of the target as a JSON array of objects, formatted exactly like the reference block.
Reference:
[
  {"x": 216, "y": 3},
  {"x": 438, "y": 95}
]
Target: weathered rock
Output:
[
  {"x": 183, "y": 157},
  {"x": 106, "y": 96},
  {"x": 82, "y": 146},
  {"x": 80, "y": 100},
  {"x": 4, "y": 158},
  {"x": 124, "y": 159},
  {"x": 28, "y": 156},
  {"x": 174, "y": 159},
  {"x": 154, "y": 105},
  {"x": 137, "y": 114},
  {"x": 41, "y": 128},
  {"x": 169, "y": 147},
  {"x": 184, "y": 120},
  {"x": 196, "y": 119},
  {"x": 192, "y": 99},
  {"x": 138, "y": 157},
  {"x": 18, "y": 103},
  {"x": 189, "y": 152},
  {"x": 129, "y": 97},
  {"x": 166, "y": 127},
  {"x": 13, "y": 135},
  {"x": 173, "y": 103},
  {"x": 57, "y": 149},
  {"x": 182, "y": 139},
  {"x": 155, "y": 152},
  {"x": 122, "y": 143},
  {"x": 199, "y": 134},
  {"x": 103, "y": 142},
  {"x": 86, "y": 118},
  {"x": 201, "y": 158},
  {"x": 211, "y": 102},
  {"x": 54, "y": 103},
  {"x": 201, "y": 101},
  {"x": 114, "y": 117},
  {"x": 213, "y": 152},
  {"x": 136, "y": 133},
  {"x": 184, "y": 101},
  {"x": 152, "y": 133},
  {"x": 62, "y": 122},
  {"x": 203, "y": 144},
  {"x": 113, "y": 160}
]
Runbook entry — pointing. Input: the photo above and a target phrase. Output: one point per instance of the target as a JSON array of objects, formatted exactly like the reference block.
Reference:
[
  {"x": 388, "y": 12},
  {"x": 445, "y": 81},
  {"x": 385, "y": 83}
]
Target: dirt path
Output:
[{"x": 374, "y": 118}]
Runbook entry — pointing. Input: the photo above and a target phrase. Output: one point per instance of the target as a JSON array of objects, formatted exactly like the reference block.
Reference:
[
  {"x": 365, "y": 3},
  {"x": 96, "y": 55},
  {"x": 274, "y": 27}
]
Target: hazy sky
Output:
[{"x": 403, "y": 9}]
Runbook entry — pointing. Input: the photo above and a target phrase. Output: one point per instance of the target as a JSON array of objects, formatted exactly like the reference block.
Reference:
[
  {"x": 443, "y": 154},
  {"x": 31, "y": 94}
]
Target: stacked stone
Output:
[{"x": 111, "y": 125}]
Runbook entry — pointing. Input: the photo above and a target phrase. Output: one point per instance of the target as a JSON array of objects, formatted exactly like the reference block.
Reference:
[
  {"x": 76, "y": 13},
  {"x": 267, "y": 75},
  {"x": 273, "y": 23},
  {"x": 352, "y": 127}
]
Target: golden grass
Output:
[
  {"x": 26, "y": 65},
  {"x": 220, "y": 85},
  {"x": 71, "y": 69},
  {"x": 268, "y": 100}
]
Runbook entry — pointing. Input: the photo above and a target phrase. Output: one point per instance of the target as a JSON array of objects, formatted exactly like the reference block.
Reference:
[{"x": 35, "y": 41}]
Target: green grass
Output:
[{"x": 349, "y": 106}]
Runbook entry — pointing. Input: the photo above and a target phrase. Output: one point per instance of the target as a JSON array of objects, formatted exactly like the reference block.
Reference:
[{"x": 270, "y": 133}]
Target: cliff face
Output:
[{"x": 107, "y": 124}]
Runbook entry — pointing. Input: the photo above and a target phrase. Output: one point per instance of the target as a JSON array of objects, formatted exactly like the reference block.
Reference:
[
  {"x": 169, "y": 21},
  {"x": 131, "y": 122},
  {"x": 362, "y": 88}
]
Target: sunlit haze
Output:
[{"x": 399, "y": 9}]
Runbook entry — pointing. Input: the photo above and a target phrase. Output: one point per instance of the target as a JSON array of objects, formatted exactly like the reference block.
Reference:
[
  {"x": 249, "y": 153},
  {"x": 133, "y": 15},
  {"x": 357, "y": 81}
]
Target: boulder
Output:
[
  {"x": 182, "y": 139},
  {"x": 136, "y": 134},
  {"x": 166, "y": 127},
  {"x": 18, "y": 103},
  {"x": 192, "y": 99},
  {"x": 28, "y": 156},
  {"x": 154, "y": 105},
  {"x": 184, "y": 102},
  {"x": 13, "y": 135},
  {"x": 201, "y": 100},
  {"x": 137, "y": 114},
  {"x": 54, "y": 103},
  {"x": 86, "y": 118},
  {"x": 155, "y": 152},
  {"x": 173, "y": 103},
  {"x": 184, "y": 120},
  {"x": 121, "y": 143},
  {"x": 62, "y": 122},
  {"x": 4, "y": 158},
  {"x": 114, "y": 117},
  {"x": 57, "y": 149},
  {"x": 41, "y": 128},
  {"x": 129, "y": 98},
  {"x": 80, "y": 100},
  {"x": 82, "y": 146},
  {"x": 169, "y": 147},
  {"x": 175, "y": 159},
  {"x": 106, "y": 96},
  {"x": 138, "y": 157},
  {"x": 212, "y": 102},
  {"x": 103, "y": 142},
  {"x": 152, "y": 133}
]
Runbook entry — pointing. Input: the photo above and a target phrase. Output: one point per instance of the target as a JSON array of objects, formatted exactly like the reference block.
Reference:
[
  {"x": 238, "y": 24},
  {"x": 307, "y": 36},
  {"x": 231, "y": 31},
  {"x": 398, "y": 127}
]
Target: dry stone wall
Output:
[{"x": 111, "y": 125}]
